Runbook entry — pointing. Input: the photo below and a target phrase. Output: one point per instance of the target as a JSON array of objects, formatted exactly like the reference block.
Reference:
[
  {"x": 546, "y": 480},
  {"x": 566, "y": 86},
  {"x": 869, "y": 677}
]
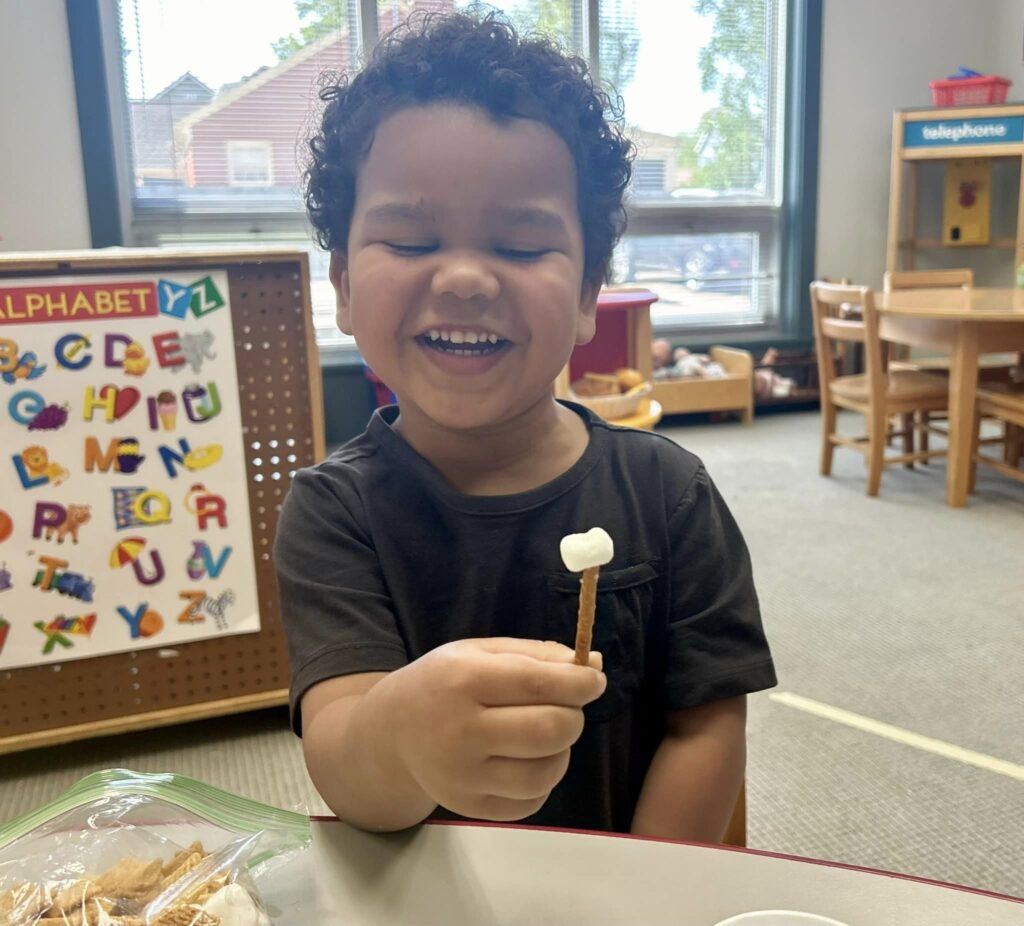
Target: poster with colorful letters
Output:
[{"x": 124, "y": 510}]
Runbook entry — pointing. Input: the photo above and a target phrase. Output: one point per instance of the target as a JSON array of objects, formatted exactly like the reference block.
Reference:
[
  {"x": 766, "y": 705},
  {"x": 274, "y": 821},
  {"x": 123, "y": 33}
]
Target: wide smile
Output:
[
  {"x": 463, "y": 343},
  {"x": 466, "y": 351}
]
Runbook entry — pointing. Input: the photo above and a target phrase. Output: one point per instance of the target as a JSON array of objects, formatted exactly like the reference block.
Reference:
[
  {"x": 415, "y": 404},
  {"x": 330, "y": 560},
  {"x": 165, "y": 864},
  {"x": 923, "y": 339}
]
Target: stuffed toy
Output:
[{"x": 669, "y": 363}]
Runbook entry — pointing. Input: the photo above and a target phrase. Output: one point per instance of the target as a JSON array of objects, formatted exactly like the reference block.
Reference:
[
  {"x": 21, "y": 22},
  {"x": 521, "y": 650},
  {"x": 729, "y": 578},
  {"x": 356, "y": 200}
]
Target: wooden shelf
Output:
[
  {"x": 990, "y": 132},
  {"x": 925, "y": 243}
]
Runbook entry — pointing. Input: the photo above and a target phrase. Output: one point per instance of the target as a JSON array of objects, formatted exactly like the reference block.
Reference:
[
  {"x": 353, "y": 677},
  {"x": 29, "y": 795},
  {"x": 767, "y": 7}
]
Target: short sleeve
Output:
[
  {"x": 717, "y": 646},
  {"x": 335, "y": 607}
]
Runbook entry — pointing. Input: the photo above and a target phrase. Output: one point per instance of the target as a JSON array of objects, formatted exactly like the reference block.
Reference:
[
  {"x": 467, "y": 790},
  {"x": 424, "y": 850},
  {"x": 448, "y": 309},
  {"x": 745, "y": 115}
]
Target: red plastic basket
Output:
[{"x": 969, "y": 91}]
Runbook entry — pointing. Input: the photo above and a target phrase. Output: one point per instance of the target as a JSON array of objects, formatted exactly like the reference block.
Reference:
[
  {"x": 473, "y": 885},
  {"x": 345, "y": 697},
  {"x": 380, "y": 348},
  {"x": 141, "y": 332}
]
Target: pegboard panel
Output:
[{"x": 282, "y": 423}]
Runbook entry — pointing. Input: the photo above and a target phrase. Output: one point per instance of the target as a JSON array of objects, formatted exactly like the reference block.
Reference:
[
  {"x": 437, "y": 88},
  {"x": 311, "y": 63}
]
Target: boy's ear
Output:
[
  {"x": 586, "y": 321},
  {"x": 342, "y": 301}
]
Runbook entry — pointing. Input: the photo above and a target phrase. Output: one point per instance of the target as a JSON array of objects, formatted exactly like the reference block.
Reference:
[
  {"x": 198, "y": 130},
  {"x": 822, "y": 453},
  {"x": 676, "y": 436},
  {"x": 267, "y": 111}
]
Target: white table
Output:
[{"x": 471, "y": 875}]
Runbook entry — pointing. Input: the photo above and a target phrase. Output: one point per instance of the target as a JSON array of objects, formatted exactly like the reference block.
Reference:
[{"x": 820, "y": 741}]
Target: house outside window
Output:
[
  {"x": 648, "y": 176},
  {"x": 213, "y": 151},
  {"x": 250, "y": 163}
]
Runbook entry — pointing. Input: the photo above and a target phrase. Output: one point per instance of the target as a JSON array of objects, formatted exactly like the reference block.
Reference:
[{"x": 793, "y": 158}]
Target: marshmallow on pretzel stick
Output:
[{"x": 586, "y": 553}]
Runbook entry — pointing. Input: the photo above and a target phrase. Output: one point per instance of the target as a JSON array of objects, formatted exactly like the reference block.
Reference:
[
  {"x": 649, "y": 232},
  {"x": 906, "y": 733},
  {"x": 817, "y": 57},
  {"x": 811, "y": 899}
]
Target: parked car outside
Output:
[{"x": 696, "y": 260}]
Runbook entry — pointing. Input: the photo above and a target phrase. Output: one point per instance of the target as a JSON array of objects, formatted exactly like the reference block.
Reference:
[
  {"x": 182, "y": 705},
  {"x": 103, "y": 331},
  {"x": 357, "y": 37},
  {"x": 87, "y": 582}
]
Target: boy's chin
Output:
[{"x": 465, "y": 417}]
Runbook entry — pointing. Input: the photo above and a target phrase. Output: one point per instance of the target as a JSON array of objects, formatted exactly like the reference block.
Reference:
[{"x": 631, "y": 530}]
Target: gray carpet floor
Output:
[{"x": 897, "y": 608}]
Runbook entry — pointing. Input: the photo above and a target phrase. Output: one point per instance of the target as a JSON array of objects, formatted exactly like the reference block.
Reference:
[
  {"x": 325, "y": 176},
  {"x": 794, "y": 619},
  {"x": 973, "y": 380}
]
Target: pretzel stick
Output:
[{"x": 585, "y": 620}]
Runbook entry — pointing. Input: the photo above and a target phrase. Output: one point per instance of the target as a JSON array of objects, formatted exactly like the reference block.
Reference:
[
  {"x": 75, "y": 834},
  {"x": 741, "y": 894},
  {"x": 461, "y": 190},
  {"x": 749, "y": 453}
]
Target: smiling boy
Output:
[{"x": 469, "y": 187}]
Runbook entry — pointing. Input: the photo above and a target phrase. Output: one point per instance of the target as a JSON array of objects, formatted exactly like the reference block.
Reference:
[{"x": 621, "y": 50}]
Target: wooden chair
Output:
[
  {"x": 1004, "y": 401},
  {"x": 899, "y": 354},
  {"x": 876, "y": 394},
  {"x": 928, "y": 279},
  {"x": 990, "y": 368}
]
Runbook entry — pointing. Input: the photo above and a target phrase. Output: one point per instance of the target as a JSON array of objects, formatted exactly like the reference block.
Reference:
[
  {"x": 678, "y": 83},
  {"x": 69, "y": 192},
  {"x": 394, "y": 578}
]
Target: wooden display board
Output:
[
  {"x": 948, "y": 134},
  {"x": 280, "y": 407}
]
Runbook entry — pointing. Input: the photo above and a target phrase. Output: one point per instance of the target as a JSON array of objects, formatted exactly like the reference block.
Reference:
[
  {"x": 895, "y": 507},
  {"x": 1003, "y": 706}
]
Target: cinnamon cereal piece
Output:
[
  {"x": 203, "y": 892},
  {"x": 186, "y": 915},
  {"x": 95, "y": 916},
  {"x": 23, "y": 903},
  {"x": 185, "y": 866},
  {"x": 131, "y": 878},
  {"x": 179, "y": 857},
  {"x": 75, "y": 895},
  {"x": 70, "y": 918}
]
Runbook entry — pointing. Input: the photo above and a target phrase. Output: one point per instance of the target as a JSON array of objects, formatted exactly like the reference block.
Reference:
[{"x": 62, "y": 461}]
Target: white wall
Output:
[
  {"x": 877, "y": 57},
  {"x": 42, "y": 188},
  {"x": 1010, "y": 44}
]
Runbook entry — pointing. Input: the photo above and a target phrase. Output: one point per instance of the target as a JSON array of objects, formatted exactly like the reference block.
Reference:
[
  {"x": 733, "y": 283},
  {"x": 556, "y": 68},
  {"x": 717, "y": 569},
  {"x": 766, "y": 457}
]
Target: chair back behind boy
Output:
[
  {"x": 994, "y": 368},
  {"x": 962, "y": 278},
  {"x": 928, "y": 279}
]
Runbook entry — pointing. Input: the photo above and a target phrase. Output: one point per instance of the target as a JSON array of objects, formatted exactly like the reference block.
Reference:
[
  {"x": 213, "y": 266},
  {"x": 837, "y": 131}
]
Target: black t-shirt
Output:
[{"x": 379, "y": 560}]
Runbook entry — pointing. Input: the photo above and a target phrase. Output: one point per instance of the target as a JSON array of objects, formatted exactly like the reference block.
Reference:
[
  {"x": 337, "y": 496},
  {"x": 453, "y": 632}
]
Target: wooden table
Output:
[
  {"x": 967, "y": 323},
  {"x": 478, "y": 875}
]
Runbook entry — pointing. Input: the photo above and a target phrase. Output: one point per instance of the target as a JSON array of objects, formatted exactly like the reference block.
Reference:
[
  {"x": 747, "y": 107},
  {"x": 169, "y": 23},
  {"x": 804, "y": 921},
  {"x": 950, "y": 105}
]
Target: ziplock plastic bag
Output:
[{"x": 122, "y": 848}]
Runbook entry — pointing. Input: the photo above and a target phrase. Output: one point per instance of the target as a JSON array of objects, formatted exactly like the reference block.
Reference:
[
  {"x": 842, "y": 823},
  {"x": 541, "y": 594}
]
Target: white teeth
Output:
[{"x": 462, "y": 337}]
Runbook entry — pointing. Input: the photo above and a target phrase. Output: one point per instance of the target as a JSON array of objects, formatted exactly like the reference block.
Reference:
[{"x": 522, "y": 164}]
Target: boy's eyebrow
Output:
[
  {"x": 417, "y": 212},
  {"x": 531, "y": 216}
]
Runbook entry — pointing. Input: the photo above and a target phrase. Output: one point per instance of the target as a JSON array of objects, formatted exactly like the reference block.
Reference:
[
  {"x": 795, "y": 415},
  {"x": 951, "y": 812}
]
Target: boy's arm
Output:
[
  {"x": 692, "y": 784},
  {"x": 351, "y": 762},
  {"x": 481, "y": 727}
]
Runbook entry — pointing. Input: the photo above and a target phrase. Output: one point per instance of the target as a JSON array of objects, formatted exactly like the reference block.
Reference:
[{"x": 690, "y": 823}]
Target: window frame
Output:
[{"x": 786, "y": 228}]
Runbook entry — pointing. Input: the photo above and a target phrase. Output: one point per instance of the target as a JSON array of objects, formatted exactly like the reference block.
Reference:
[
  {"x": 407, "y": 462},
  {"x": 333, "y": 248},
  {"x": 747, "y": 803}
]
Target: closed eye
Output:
[
  {"x": 410, "y": 250},
  {"x": 521, "y": 254}
]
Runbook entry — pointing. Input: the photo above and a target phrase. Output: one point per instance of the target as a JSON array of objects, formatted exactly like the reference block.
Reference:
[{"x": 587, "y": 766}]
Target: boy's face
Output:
[{"x": 463, "y": 279}]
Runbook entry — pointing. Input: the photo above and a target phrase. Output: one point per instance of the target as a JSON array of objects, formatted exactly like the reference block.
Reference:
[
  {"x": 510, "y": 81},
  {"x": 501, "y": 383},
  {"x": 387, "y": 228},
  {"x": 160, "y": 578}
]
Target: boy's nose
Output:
[{"x": 465, "y": 277}]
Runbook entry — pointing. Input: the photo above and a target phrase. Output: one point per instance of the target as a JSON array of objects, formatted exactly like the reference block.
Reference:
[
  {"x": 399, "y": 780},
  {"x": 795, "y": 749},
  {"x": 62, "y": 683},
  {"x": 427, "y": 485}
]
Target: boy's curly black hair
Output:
[{"x": 484, "y": 63}]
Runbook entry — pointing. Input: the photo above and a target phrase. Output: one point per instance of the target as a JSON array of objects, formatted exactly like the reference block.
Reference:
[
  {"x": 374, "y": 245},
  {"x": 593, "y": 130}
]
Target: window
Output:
[
  {"x": 702, "y": 84},
  {"x": 249, "y": 163},
  {"x": 648, "y": 177},
  {"x": 211, "y": 129}
]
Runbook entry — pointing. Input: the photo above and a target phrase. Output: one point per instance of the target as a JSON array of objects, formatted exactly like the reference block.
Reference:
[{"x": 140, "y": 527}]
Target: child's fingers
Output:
[
  {"x": 518, "y": 679},
  {"x": 544, "y": 650},
  {"x": 529, "y": 732},
  {"x": 524, "y": 779},
  {"x": 502, "y": 809}
]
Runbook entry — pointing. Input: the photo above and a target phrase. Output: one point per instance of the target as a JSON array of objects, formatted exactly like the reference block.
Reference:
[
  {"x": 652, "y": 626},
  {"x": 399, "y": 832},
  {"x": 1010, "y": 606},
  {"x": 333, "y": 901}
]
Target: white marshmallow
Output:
[
  {"x": 235, "y": 907},
  {"x": 582, "y": 551}
]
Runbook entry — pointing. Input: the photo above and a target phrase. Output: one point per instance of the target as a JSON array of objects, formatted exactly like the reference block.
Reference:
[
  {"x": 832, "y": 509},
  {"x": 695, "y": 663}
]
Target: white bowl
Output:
[{"x": 779, "y": 918}]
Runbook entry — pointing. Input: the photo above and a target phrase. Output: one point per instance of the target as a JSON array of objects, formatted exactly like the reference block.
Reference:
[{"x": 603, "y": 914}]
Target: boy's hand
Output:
[{"x": 485, "y": 726}]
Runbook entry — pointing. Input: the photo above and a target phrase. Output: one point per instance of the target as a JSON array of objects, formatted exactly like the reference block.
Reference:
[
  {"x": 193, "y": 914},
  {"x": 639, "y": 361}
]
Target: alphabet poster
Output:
[{"x": 124, "y": 509}]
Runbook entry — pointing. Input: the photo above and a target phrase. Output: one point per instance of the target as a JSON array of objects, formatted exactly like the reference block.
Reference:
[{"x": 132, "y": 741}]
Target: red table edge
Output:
[
  {"x": 625, "y": 299},
  {"x": 682, "y": 842}
]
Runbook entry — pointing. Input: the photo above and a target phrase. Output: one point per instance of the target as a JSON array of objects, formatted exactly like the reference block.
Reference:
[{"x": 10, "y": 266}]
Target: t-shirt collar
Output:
[{"x": 391, "y": 442}]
